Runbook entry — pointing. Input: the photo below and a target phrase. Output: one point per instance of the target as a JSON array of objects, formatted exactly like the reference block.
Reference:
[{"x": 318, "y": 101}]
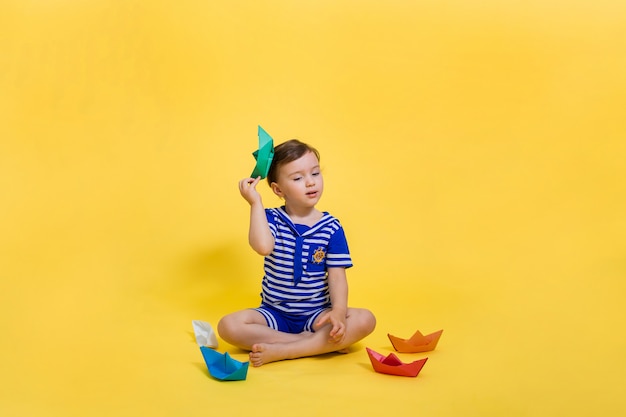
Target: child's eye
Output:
[
  {"x": 297, "y": 178},
  {"x": 315, "y": 174}
]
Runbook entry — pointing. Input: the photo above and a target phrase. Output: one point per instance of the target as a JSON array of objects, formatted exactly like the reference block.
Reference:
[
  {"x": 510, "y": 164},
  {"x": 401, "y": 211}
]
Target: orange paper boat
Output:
[
  {"x": 417, "y": 343},
  {"x": 392, "y": 365}
]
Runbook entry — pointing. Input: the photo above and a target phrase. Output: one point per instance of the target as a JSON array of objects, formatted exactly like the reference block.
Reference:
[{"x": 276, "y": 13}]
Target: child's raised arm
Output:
[{"x": 259, "y": 235}]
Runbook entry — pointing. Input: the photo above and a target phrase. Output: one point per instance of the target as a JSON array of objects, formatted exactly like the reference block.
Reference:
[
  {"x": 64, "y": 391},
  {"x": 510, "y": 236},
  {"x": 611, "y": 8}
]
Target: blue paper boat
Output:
[{"x": 222, "y": 366}]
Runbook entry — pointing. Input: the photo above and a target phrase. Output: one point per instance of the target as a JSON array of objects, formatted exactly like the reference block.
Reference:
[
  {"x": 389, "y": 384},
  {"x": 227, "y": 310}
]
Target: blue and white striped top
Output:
[{"x": 295, "y": 278}]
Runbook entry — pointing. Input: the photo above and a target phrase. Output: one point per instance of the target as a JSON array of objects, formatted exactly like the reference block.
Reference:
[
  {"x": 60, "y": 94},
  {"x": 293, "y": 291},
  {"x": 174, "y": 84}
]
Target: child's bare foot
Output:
[{"x": 263, "y": 353}]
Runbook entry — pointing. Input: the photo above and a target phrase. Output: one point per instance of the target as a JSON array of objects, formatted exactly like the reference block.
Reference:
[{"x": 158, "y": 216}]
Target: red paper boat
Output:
[
  {"x": 417, "y": 343},
  {"x": 392, "y": 365}
]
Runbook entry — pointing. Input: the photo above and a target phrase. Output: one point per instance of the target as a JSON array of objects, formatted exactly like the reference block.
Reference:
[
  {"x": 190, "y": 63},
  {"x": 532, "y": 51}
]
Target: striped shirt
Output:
[{"x": 295, "y": 278}]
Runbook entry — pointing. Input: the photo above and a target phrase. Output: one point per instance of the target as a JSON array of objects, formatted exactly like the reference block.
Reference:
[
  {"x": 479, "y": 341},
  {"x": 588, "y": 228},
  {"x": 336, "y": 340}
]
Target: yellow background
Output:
[{"x": 474, "y": 152}]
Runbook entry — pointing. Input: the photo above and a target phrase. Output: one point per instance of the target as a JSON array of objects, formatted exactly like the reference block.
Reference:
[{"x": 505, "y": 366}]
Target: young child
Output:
[{"x": 304, "y": 297}]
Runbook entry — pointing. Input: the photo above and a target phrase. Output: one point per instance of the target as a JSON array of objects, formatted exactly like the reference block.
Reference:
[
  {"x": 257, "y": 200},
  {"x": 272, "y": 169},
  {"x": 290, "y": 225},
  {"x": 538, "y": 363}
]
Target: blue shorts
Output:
[{"x": 289, "y": 323}]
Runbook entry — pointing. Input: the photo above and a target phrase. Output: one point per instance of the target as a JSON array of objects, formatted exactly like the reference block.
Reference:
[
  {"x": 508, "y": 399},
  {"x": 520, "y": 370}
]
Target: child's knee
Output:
[
  {"x": 224, "y": 327},
  {"x": 368, "y": 321}
]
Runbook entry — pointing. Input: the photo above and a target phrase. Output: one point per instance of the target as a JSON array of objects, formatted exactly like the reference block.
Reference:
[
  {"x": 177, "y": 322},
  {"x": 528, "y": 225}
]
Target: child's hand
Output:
[
  {"x": 247, "y": 188},
  {"x": 338, "y": 322}
]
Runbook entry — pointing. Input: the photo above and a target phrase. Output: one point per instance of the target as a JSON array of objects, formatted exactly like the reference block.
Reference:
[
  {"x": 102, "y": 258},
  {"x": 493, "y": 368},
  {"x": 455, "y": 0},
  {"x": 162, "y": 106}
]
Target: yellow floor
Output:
[{"x": 474, "y": 152}]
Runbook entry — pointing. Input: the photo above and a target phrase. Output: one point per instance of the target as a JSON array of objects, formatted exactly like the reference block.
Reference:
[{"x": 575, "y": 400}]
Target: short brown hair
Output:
[{"x": 288, "y": 152}]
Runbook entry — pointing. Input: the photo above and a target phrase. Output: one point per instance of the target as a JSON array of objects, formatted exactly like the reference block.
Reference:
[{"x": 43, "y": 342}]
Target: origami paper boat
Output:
[
  {"x": 263, "y": 155},
  {"x": 222, "y": 366},
  {"x": 417, "y": 343},
  {"x": 392, "y": 365},
  {"x": 205, "y": 336}
]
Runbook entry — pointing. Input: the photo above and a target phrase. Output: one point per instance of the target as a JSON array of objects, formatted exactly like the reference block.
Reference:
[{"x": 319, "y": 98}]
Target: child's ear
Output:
[{"x": 276, "y": 189}]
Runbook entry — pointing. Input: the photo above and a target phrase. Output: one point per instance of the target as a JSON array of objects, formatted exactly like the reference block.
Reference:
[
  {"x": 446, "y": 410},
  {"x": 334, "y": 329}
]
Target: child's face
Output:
[{"x": 300, "y": 182}]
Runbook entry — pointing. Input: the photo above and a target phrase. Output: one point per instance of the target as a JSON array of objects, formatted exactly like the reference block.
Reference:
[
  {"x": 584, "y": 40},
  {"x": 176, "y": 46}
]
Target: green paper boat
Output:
[
  {"x": 263, "y": 155},
  {"x": 222, "y": 366}
]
